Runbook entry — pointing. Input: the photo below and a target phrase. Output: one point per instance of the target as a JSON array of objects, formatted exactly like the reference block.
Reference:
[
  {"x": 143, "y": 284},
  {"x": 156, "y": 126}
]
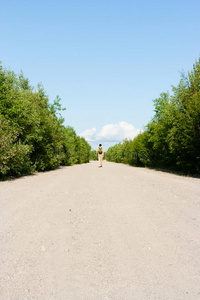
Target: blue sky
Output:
[{"x": 106, "y": 59}]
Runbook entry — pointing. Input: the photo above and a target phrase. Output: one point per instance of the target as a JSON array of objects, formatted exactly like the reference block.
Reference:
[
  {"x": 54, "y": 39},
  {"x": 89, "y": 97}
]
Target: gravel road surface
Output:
[{"x": 84, "y": 233}]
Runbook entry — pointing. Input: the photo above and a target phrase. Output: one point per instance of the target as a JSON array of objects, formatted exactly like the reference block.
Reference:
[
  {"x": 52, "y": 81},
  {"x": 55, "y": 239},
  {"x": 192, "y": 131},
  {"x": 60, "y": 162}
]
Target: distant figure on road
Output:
[{"x": 100, "y": 152}]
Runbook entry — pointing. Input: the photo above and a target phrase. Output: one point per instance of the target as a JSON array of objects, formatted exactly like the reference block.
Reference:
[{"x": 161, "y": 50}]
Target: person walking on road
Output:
[{"x": 100, "y": 152}]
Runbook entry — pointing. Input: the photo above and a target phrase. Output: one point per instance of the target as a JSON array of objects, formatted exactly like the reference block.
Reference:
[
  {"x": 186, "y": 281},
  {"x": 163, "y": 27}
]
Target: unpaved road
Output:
[{"x": 85, "y": 232}]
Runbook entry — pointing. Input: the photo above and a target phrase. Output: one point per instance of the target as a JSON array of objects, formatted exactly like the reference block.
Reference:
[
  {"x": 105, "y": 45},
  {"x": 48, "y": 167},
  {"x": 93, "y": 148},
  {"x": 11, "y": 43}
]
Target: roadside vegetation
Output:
[
  {"x": 32, "y": 135},
  {"x": 171, "y": 140},
  {"x": 93, "y": 155}
]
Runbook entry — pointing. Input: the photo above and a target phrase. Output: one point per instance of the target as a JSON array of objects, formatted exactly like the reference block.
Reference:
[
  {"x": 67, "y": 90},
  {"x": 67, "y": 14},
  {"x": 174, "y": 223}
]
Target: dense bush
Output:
[
  {"x": 93, "y": 155},
  {"x": 32, "y": 134},
  {"x": 172, "y": 139}
]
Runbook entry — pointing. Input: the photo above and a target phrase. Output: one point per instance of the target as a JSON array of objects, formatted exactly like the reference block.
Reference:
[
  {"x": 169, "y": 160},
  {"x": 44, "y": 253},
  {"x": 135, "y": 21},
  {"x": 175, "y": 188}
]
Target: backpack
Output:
[{"x": 100, "y": 150}]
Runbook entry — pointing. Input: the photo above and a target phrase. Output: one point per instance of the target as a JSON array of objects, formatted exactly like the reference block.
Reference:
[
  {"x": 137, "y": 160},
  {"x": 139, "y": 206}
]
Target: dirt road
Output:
[{"x": 85, "y": 232}]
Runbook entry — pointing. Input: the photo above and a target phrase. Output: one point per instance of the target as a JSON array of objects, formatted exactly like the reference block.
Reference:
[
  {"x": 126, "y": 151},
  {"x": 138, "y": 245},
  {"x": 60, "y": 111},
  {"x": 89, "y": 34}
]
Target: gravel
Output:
[{"x": 115, "y": 232}]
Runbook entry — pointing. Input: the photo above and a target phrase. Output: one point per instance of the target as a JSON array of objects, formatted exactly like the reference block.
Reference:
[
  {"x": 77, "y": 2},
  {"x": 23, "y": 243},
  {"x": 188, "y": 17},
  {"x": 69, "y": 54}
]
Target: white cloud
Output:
[
  {"x": 118, "y": 132},
  {"x": 111, "y": 134},
  {"x": 89, "y": 134}
]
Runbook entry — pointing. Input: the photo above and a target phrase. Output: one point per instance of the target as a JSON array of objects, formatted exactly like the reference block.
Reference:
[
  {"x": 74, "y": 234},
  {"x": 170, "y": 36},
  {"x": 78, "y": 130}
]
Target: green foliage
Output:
[
  {"x": 132, "y": 152},
  {"x": 14, "y": 156},
  {"x": 184, "y": 138},
  {"x": 93, "y": 155},
  {"x": 32, "y": 135},
  {"x": 172, "y": 139},
  {"x": 69, "y": 146},
  {"x": 82, "y": 150},
  {"x": 114, "y": 153}
]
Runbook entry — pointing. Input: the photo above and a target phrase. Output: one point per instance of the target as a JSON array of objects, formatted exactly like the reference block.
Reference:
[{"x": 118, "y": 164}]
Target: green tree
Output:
[
  {"x": 172, "y": 139},
  {"x": 32, "y": 135},
  {"x": 184, "y": 137}
]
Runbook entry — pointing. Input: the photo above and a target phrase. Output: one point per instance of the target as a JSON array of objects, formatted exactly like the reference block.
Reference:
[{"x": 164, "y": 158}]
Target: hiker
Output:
[{"x": 100, "y": 152}]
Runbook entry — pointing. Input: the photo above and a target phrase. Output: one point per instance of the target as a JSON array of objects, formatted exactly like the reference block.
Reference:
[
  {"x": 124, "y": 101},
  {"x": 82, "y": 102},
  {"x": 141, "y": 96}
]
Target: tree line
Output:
[
  {"x": 32, "y": 135},
  {"x": 171, "y": 140}
]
